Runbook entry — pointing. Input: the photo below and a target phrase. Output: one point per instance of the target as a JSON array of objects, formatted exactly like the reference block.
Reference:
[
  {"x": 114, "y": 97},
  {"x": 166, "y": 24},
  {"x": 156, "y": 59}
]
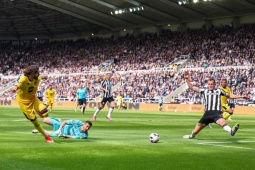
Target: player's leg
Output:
[
  {"x": 55, "y": 123},
  {"x": 202, "y": 123},
  {"x": 83, "y": 106},
  {"x": 41, "y": 109},
  {"x": 76, "y": 106},
  {"x": 232, "y": 107},
  {"x": 51, "y": 104},
  {"x": 102, "y": 104},
  {"x": 42, "y": 112},
  {"x": 112, "y": 106},
  {"x": 222, "y": 122},
  {"x": 118, "y": 105},
  {"x": 195, "y": 131},
  {"x": 28, "y": 111},
  {"x": 227, "y": 111}
]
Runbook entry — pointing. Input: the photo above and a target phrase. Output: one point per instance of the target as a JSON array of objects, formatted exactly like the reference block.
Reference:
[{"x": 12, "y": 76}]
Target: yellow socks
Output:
[
  {"x": 38, "y": 126},
  {"x": 226, "y": 115}
]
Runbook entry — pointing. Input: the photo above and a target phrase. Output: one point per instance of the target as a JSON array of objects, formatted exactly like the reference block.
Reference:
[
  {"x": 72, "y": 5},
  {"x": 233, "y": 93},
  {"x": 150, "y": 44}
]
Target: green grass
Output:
[{"x": 124, "y": 143}]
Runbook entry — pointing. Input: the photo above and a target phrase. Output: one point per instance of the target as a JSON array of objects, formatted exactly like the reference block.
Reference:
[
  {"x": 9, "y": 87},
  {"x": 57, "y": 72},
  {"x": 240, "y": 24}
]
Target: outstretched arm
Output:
[
  {"x": 233, "y": 96},
  {"x": 194, "y": 88},
  {"x": 44, "y": 77}
]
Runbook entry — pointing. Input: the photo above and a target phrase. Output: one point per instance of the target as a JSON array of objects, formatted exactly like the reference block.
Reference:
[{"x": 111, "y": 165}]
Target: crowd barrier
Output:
[{"x": 143, "y": 106}]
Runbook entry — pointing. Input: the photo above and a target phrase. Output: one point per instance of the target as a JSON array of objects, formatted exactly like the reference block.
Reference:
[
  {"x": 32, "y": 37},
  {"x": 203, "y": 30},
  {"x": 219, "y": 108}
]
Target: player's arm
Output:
[
  {"x": 73, "y": 137},
  {"x": 60, "y": 128},
  {"x": 21, "y": 81},
  {"x": 15, "y": 88},
  {"x": 194, "y": 88},
  {"x": 44, "y": 77},
  {"x": 233, "y": 96},
  {"x": 101, "y": 88}
]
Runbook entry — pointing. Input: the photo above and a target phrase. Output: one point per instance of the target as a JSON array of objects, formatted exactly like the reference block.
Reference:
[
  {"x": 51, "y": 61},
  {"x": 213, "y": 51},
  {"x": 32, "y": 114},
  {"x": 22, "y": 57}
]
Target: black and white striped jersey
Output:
[
  {"x": 39, "y": 94},
  {"x": 231, "y": 101},
  {"x": 212, "y": 99},
  {"x": 107, "y": 84}
]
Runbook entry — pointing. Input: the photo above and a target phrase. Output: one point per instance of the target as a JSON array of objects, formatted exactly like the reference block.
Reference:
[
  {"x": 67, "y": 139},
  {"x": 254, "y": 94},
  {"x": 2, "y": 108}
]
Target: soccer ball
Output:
[{"x": 154, "y": 137}]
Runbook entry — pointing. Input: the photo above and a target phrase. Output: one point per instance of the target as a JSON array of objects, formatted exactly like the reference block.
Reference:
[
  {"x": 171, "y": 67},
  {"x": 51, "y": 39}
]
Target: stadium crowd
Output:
[{"x": 142, "y": 62}]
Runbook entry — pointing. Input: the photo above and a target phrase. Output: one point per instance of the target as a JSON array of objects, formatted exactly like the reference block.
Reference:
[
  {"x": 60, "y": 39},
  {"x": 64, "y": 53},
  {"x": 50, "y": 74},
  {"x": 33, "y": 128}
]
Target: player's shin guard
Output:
[
  {"x": 227, "y": 128},
  {"x": 97, "y": 110},
  {"x": 43, "y": 113},
  {"x": 110, "y": 111},
  {"x": 38, "y": 126}
]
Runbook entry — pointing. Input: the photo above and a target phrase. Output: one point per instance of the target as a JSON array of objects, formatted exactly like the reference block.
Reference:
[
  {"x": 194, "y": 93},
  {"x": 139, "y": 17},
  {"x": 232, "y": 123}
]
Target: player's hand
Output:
[
  {"x": 186, "y": 75},
  {"x": 58, "y": 131},
  {"x": 106, "y": 91},
  {"x": 246, "y": 97},
  {"x": 14, "y": 89},
  {"x": 61, "y": 135}
]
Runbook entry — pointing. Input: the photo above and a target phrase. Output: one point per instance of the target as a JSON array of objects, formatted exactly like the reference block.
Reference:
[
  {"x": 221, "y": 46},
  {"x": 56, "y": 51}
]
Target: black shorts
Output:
[
  {"x": 40, "y": 98},
  {"x": 160, "y": 104},
  {"x": 82, "y": 101},
  {"x": 232, "y": 105},
  {"x": 210, "y": 116},
  {"x": 107, "y": 99}
]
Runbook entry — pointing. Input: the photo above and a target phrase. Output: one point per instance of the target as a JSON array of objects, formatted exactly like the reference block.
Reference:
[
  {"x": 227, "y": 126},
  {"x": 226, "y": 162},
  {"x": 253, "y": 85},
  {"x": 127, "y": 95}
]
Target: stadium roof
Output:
[{"x": 58, "y": 17}]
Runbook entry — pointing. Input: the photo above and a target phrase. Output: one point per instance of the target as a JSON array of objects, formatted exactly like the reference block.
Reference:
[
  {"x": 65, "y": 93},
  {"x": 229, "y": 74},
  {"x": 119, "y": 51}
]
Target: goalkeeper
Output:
[{"x": 75, "y": 129}]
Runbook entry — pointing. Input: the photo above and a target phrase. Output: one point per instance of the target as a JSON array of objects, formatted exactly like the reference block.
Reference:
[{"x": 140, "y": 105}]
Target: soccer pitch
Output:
[{"x": 124, "y": 143}]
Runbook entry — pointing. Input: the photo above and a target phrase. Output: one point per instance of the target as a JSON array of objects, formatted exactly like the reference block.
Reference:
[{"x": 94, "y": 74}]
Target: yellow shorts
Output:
[
  {"x": 225, "y": 107},
  {"x": 50, "y": 101},
  {"x": 29, "y": 108},
  {"x": 118, "y": 103}
]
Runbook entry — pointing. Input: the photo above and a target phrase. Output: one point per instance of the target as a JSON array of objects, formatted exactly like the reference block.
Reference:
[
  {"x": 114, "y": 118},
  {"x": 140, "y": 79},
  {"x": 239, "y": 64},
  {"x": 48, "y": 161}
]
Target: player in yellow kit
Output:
[
  {"x": 50, "y": 95},
  {"x": 226, "y": 110},
  {"x": 119, "y": 101},
  {"x": 26, "y": 96}
]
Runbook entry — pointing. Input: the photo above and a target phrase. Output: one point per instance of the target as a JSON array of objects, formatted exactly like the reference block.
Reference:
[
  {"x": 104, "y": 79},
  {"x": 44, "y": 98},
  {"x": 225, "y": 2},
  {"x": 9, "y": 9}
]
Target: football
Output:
[{"x": 154, "y": 137}]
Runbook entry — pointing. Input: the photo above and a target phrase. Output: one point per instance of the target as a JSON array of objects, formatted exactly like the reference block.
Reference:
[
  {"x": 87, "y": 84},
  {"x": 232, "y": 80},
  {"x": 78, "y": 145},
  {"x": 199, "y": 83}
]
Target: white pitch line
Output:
[
  {"x": 238, "y": 141},
  {"x": 237, "y": 147},
  {"x": 20, "y": 120}
]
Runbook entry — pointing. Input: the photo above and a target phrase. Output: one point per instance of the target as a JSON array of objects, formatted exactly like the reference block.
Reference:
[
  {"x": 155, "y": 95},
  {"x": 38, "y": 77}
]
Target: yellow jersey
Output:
[
  {"x": 27, "y": 89},
  {"x": 119, "y": 99},
  {"x": 50, "y": 93},
  {"x": 225, "y": 98}
]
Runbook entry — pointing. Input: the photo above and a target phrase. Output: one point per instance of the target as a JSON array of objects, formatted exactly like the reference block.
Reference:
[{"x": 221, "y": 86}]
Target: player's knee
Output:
[
  {"x": 46, "y": 120},
  {"x": 112, "y": 108},
  {"x": 35, "y": 122},
  {"x": 43, "y": 113},
  {"x": 101, "y": 106}
]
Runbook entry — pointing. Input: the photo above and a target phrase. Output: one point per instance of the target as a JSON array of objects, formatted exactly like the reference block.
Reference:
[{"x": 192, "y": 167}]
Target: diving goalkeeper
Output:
[{"x": 75, "y": 129}]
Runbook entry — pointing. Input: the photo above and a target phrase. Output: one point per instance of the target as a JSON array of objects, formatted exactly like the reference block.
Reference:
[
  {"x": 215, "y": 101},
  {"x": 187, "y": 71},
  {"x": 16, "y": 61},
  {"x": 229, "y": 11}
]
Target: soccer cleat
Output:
[
  {"x": 109, "y": 118},
  {"x": 234, "y": 129},
  {"x": 187, "y": 137},
  {"x": 35, "y": 131},
  {"x": 94, "y": 118},
  {"x": 210, "y": 125},
  {"x": 48, "y": 139}
]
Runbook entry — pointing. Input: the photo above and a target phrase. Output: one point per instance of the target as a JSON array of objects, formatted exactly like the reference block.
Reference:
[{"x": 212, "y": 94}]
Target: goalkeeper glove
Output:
[
  {"x": 61, "y": 135},
  {"x": 58, "y": 131}
]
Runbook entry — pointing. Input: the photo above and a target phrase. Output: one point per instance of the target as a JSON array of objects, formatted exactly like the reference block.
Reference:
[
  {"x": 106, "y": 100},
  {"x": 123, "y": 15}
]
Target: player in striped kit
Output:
[
  {"x": 213, "y": 108},
  {"x": 106, "y": 87}
]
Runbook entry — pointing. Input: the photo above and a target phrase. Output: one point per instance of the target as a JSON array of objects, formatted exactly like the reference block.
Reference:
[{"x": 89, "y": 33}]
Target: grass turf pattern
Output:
[{"x": 124, "y": 143}]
